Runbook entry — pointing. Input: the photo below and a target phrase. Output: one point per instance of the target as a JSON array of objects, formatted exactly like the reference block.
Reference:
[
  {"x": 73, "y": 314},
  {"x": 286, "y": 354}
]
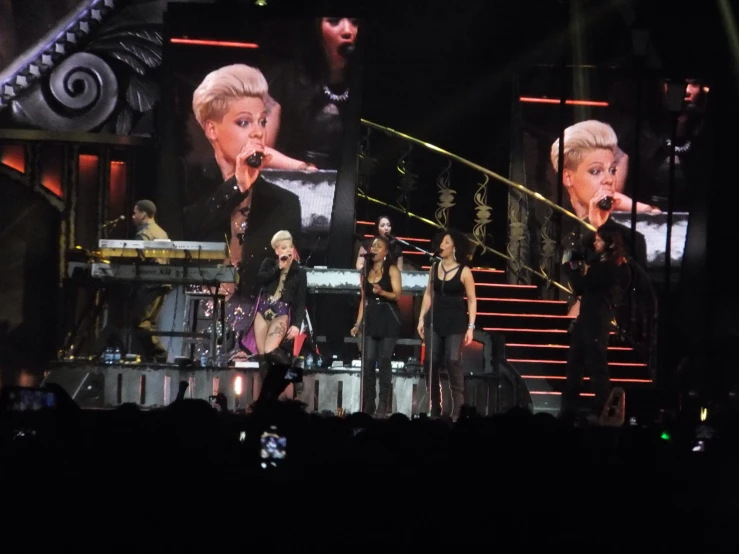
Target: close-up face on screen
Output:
[
  {"x": 284, "y": 91},
  {"x": 614, "y": 169}
]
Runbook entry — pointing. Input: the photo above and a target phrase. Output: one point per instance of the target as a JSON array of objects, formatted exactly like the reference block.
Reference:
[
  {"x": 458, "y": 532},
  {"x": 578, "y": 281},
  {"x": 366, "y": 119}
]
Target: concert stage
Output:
[{"x": 335, "y": 390}]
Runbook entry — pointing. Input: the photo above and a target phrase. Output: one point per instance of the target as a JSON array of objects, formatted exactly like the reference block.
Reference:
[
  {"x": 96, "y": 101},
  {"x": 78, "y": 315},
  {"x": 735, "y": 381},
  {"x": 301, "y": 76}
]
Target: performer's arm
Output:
[
  {"x": 298, "y": 306},
  {"x": 202, "y": 217},
  {"x": 268, "y": 271},
  {"x": 360, "y": 314},
  {"x": 360, "y": 258},
  {"x": 400, "y": 263},
  {"x": 469, "y": 287},
  {"x": 395, "y": 283},
  {"x": 425, "y": 303}
]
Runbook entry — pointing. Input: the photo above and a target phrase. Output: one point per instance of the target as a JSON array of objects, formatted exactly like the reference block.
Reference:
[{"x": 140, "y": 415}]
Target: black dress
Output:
[{"x": 450, "y": 307}]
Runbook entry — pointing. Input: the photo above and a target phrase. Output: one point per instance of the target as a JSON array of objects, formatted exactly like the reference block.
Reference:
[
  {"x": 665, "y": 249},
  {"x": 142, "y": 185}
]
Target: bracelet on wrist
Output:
[{"x": 471, "y": 326}]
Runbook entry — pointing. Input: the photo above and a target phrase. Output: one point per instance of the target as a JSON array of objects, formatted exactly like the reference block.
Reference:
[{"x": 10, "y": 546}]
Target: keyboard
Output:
[
  {"x": 166, "y": 249},
  {"x": 164, "y": 274},
  {"x": 342, "y": 281}
]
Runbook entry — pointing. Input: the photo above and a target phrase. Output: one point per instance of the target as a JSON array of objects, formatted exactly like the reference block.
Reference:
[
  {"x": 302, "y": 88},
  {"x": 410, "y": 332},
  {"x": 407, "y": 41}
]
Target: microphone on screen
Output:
[{"x": 255, "y": 160}]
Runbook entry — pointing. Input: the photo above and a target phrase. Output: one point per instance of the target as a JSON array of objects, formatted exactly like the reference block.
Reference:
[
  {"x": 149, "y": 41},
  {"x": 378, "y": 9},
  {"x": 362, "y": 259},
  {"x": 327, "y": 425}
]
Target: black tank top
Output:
[
  {"x": 450, "y": 308},
  {"x": 382, "y": 315}
]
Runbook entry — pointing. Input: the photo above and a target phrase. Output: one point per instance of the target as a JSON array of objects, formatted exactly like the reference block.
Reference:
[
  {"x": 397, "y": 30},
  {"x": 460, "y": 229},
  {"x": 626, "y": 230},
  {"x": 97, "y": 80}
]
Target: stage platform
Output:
[{"x": 335, "y": 390}]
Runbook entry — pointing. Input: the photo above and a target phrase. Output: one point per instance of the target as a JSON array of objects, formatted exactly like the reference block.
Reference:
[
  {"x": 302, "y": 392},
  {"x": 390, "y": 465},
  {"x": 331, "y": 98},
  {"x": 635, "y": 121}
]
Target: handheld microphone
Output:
[
  {"x": 284, "y": 258},
  {"x": 113, "y": 221},
  {"x": 346, "y": 50},
  {"x": 255, "y": 160}
]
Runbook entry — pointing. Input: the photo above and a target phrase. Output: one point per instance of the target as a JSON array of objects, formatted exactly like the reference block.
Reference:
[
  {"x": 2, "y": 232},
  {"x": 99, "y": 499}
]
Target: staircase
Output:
[{"x": 535, "y": 334}]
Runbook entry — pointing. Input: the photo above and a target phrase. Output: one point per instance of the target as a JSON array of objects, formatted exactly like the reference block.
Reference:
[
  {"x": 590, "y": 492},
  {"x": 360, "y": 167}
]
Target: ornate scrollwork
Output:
[
  {"x": 80, "y": 95},
  {"x": 547, "y": 260},
  {"x": 53, "y": 48},
  {"x": 80, "y": 91},
  {"x": 483, "y": 212},
  {"x": 518, "y": 239},
  {"x": 408, "y": 179},
  {"x": 446, "y": 196}
]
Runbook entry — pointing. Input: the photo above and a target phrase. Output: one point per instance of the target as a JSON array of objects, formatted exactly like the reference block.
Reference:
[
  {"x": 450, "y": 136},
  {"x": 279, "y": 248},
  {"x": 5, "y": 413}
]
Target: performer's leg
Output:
[
  {"x": 432, "y": 365},
  {"x": 453, "y": 365},
  {"x": 385, "y": 371},
  {"x": 276, "y": 333},
  {"x": 261, "y": 328},
  {"x": 369, "y": 382},
  {"x": 596, "y": 360},
  {"x": 274, "y": 382},
  {"x": 575, "y": 370}
]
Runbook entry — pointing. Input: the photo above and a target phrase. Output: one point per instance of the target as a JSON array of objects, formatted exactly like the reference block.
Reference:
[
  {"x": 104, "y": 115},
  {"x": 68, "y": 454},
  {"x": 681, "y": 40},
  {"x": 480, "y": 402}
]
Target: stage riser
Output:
[{"x": 320, "y": 391}]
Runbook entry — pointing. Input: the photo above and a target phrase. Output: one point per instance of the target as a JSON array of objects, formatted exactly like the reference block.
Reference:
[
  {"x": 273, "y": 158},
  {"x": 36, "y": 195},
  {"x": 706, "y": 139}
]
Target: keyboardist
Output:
[{"x": 146, "y": 302}]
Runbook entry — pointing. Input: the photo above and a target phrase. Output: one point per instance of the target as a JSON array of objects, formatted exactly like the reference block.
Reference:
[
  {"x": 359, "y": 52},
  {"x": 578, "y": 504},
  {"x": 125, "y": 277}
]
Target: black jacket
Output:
[
  {"x": 296, "y": 287},
  {"x": 272, "y": 209},
  {"x": 602, "y": 289}
]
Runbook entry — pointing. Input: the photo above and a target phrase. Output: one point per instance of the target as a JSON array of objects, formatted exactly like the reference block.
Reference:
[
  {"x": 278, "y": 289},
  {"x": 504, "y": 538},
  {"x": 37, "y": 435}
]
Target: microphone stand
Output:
[{"x": 434, "y": 261}]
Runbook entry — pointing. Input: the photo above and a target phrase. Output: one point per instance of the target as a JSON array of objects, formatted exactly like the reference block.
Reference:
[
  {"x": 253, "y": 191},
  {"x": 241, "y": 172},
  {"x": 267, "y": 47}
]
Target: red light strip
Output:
[
  {"x": 623, "y": 348},
  {"x": 226, "y": 44},
  {"x": 562, "y": 378},
  {"x": 485, "y": 270},
  {"x": 524, "y": 300},
  {"x": 546, "y": 316},
  {"x": 531, "y": 100},
  {"x": 525, "y": 361},
  {"x": 553, "y": 393},
  {"x": 502, "y": 285},
  {"x": 524, "y": 330}
]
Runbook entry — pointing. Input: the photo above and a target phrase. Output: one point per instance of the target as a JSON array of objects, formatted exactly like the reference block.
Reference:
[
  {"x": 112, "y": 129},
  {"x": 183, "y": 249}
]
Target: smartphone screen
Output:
[
  {"x": 26, "y": 399},
  {"x": 273, "y": 448}
]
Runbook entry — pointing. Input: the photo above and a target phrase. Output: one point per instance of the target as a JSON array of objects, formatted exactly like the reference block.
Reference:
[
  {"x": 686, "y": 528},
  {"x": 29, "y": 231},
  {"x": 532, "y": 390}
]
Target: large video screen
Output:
[
  {"x": 612, "y": 160},
  {"x": 284, "y": 91}
]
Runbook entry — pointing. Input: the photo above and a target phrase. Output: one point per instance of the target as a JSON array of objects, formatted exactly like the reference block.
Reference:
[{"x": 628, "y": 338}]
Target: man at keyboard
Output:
[{"x": 147, "y": 300}]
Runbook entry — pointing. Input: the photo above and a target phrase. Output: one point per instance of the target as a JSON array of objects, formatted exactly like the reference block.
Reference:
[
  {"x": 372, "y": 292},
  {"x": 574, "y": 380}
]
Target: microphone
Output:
[
  {"x": 368, "y": 255},
  {"x": 390, "y": 238},
  {"x": 346, "y": 49},
  {"x": 255, "y": 160},
  {"x": 285, "y": 257},
  {"x": 113, "y": 221}
]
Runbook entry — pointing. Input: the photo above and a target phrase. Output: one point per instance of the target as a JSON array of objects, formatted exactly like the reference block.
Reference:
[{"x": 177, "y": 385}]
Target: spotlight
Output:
[
  {"x": 260, "y": 3},
  {"x": 238, "y": 388}
]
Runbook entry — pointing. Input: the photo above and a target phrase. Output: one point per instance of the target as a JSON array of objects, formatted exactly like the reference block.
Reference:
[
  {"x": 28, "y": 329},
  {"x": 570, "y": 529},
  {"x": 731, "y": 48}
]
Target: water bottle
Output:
[
  {"x": 309, "y": 361},
  {"x": 117, "y": 355},
  {"x": 319, "y": 361},
  {"x": 108, "y": 356}
]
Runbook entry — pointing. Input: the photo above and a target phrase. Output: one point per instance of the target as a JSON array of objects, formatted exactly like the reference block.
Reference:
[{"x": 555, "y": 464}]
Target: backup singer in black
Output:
[
  {"x": 454, "y": 319},
  {"x": 601, "y": 283},
  {"x": 381, "y": 289}
]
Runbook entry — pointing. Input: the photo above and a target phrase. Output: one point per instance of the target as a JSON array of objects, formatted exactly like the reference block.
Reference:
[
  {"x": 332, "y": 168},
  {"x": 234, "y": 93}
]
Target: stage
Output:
[{"x": 336, "y": 390}]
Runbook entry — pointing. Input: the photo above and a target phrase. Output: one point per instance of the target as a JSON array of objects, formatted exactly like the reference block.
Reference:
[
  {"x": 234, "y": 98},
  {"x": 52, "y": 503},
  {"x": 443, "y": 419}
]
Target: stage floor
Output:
[{"x": 334, "y": 389}]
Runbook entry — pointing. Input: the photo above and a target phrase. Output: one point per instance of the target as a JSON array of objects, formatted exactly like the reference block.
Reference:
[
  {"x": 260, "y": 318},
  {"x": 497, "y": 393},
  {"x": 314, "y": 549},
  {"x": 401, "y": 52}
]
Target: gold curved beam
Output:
[
  {"x": 485, "y": 248},
  {"x": 520, "y": 188}
]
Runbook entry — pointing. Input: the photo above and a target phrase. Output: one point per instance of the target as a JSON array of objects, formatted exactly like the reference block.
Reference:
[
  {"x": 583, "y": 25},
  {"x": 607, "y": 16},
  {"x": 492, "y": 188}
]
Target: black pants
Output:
[
  {"x": 446, "y": 352},
  {"x": 379, "y": 352},
  {"x": 588, "y": 349}
]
